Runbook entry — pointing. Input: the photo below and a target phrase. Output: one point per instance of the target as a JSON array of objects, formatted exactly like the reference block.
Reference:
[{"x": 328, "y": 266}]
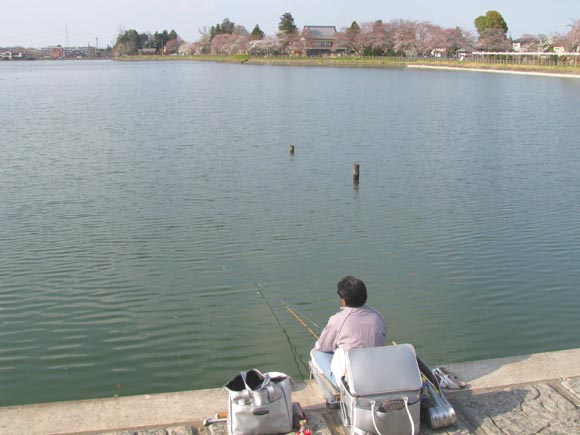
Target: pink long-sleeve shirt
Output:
[{"x": 352, "y": 328}]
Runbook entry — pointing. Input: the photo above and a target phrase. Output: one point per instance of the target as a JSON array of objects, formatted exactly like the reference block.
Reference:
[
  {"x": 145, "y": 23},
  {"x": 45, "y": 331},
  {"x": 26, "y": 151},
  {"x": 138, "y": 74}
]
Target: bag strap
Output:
[
  {"x": 272, "y": 392},
  {"x": 246, "y": 396}
]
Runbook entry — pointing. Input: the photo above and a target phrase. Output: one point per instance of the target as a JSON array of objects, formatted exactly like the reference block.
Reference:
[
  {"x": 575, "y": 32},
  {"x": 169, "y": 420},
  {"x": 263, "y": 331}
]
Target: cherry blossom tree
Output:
[
  {"x": 203, "y": 45},
  {"x": 341, "y": 42},
  {"x": 186, "y": 49},
  {"x": 266, "y": 46},
  {"x": 458, "y": 38},
  {"x": 352, "y": 38},
  {"x": 572, "y": 38},
  {"x": 424, "y": 33},
  {"x": 437, "y": 40},
  {"x": 447, "y": 41},
  {"x": 240, "y": 45},
  {"x": 405, "y": 37},
  {"x": 172, "y": 46},
  {"x": 376, "y": 38},
  {"x": 229, "y": 44}
]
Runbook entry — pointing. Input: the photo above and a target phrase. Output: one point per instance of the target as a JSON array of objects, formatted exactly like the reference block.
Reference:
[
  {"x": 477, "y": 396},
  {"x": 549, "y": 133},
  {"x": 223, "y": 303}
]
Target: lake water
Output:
[{"x": 147, "y": 209}]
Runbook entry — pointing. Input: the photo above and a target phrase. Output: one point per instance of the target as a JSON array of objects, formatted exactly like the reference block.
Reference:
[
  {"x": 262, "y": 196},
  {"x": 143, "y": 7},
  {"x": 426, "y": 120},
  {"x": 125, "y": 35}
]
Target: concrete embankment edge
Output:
[
  {"x": 190, "y": 407},
  {"x": 496, "y": 71},
  {"x": 527, "y": 369}
]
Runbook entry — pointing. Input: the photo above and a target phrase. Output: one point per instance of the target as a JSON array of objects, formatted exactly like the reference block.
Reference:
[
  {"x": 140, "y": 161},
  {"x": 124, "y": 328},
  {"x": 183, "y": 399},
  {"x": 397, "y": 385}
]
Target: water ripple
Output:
[{"x": 135, "y": 225}]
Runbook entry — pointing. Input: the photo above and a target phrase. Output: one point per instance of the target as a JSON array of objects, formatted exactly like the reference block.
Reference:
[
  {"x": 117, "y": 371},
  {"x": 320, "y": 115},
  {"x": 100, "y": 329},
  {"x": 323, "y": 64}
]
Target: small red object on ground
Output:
[{"x": 303, "y": 430}]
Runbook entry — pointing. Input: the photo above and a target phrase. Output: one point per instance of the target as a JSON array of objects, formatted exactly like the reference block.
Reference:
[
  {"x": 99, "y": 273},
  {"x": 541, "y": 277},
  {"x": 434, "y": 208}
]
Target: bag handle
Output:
[
  {"x": 405, "y": 400},
  {"x": 262, "y": 411}
]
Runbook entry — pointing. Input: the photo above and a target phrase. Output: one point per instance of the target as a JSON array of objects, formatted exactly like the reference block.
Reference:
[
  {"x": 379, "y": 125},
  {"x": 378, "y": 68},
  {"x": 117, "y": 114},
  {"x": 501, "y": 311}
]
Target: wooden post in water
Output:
[
  {"x": 355, "y": 173},
  {"x": 291, "y": 149}
]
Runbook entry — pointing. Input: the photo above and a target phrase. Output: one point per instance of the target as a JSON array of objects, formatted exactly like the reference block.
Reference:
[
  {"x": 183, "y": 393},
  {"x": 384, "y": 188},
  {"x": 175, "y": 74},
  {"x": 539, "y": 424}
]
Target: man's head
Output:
[{"x": 353, "y": 291}]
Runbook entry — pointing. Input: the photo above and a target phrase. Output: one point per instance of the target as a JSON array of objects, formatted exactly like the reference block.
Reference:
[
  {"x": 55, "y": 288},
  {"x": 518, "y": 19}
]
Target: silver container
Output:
[{"x": 381, "y": 391}]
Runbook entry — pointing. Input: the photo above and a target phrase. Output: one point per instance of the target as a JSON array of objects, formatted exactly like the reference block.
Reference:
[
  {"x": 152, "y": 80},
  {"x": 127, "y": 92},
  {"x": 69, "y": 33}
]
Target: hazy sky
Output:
[{"x": 38, "y": 23}]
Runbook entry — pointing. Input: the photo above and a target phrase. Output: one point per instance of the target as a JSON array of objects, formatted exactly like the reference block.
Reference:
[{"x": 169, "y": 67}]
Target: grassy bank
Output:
[
  {"x": 364, "y": 62},
  {"x": 378, "y": 62},
  {"x": 361, "y": 62}
]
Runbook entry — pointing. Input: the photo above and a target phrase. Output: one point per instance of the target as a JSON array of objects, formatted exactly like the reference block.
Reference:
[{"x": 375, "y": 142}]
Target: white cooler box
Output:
[{"x": 382, "y": 391}]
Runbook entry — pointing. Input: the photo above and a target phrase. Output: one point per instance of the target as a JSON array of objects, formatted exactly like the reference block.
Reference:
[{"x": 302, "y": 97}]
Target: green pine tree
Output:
[
  {"x": 257, "y": 33},
  {"x": 287, "y": 24}
]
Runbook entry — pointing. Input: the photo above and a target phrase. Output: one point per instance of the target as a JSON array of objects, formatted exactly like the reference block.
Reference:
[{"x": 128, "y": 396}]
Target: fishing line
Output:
[{"x": 295, "y": 355}]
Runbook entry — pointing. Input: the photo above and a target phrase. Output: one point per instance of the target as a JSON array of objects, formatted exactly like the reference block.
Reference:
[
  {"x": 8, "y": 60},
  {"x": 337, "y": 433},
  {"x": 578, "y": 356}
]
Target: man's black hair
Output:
[{"x": 353, "y": 291}]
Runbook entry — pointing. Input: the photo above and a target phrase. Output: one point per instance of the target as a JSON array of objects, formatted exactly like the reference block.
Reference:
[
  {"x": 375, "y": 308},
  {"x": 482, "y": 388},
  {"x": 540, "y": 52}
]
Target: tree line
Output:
[
  {"x": 130, "y": 42},
  {"x": 393, "y": 38}
]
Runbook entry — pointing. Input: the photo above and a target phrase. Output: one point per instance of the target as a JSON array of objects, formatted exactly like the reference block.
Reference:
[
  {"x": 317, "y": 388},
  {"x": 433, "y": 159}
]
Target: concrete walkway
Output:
[
  {"x": 533, "y": 394},
  {"x": 572, "y": 74}
]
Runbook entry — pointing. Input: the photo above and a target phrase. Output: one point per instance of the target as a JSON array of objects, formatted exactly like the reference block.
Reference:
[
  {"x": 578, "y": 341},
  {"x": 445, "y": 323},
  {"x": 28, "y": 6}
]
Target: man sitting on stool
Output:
[{"x": 355, "y": 325}]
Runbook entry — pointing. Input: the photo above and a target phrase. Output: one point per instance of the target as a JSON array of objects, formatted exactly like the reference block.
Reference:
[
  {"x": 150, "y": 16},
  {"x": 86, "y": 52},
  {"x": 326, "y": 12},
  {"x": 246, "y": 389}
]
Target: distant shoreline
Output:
[{"x": 377, "y": 62}]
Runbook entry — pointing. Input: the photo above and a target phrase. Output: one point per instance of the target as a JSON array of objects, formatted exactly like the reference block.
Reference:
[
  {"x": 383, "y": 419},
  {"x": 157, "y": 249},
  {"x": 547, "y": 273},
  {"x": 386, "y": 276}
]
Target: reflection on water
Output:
[{"x": 142, "y": 203}]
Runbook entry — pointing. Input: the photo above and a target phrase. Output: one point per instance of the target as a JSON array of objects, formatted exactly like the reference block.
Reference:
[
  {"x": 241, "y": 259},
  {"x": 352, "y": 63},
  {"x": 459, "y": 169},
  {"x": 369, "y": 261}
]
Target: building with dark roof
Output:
[{"x": 319, "y": 40}]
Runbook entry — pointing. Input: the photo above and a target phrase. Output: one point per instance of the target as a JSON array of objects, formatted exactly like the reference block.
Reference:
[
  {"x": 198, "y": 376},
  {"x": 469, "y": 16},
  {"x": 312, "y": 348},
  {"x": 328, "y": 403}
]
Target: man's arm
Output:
[{"x": 328, "y": 336}]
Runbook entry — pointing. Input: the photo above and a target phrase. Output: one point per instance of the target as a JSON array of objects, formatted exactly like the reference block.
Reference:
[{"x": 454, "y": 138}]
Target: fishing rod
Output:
[
  {"x": 300, "y": 320},
  {"x": 303, "y": 316}
]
